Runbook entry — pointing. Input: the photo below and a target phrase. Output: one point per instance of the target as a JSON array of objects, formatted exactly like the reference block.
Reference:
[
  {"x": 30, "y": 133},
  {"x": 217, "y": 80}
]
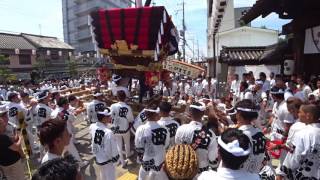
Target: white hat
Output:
[
  {"x": 106, "y": 112},
  {"x": 42, "y": 95},
  {"x": 234, "y": 148},
  {"x": 116, "y": 77},
  {"x": 259, "y": 82},
  {"x": 97, "y": 94},
  {"x": 313, "y": 94},
  {"x": 153, "y": 110},
  {"x": 201, "y": 107},
  {"x": 277, "y": 90}
]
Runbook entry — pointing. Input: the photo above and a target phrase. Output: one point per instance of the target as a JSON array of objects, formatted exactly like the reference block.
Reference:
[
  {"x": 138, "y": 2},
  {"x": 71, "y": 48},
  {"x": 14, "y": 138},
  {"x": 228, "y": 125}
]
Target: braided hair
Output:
[{"x": 181, "y": 162}]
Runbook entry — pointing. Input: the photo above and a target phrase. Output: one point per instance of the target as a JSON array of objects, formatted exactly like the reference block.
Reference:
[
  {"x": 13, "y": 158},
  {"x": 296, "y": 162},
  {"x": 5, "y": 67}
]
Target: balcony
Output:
[
  {"x": 81, "y": 22},
  {"x": 86, "y": 8},
  {"x": 84, "y": 34}
]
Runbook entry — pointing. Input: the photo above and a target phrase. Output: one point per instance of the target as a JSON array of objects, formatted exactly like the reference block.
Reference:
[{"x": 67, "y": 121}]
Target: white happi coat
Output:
[
  {"x": 170, "y": 91},
  {"x": 94, "y": 107},
  {"x": 171, "y": 126},
  {"x": 115, "y": 89},
  {"x": 204, "y": 140},
  {"x": 294, "y": 129},
  {"x": 151, "y": 141},
  {"x": 103, "y": 144},
  {"x": 138, "y": 121},
  {"x": 30, "y": 114},
  {"x": 43, "y": 113},
  {"x": 317, "y": 92},
  {"x": 228, "y": 174},
  {"x": 185, "y": 90},
  {"x": 281, "y": 116},
  {"x": 67, "y": 116},
  {"x": 13, "y": 110},
  {"x": 121, "y": 117},
  {"x": 258, "y": 145},
  {"x": 304, "y": 161},
  {"x": 198, "y": 89}
]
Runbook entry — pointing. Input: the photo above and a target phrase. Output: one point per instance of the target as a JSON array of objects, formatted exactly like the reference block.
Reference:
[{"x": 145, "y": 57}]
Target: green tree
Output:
[
  {"x": 40, "y": 67},
  {"x": 72, "y": 66},
  {"x": 5, "y": 73}
]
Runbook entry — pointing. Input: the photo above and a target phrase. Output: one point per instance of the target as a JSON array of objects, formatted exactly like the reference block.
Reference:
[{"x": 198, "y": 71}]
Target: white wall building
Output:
[
  {"x": 229, "y": 35},
  {"x": 244, "y": 37}
]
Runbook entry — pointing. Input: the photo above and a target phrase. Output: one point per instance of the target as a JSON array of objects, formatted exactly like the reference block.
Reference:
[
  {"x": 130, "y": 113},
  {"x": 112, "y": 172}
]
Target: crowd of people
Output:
[{"x": 231, "y": 137}]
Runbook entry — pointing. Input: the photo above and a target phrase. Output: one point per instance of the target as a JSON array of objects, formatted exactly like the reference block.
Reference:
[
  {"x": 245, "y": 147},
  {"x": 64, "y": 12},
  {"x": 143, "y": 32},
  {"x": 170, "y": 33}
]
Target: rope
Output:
[{"x": 27, "y": 150}]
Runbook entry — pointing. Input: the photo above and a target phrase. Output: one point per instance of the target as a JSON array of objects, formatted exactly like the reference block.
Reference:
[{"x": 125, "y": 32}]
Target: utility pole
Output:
[
  {"x": 198, "y": 50},
  {"x": 138, "y": 3},
  {"x": 40, "y": 29},
  {"x": 147, "y": 3},
  {"x": 183, "y": 34}
]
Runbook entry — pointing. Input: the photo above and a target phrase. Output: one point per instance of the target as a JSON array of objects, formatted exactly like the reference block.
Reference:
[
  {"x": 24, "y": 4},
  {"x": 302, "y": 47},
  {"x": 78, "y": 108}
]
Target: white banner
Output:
[
  {"x": 183, "y": 68},
  {"x": 312, "y": 41}
]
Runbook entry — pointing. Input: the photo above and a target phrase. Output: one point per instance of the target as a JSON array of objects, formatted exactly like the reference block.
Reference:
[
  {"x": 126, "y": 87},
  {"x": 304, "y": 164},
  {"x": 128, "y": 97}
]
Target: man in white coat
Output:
[
  {"x": 151, "y": 142},
  {"x": 202, "y": 139},
  {"x": 167, "y": 121},
  {"x": 103, "y": 146},
  {"x": 96, "y": 105},
  {"x": 303, "y": 161},
  {"x": 234, "y": 150},
  {"x": 122, "y": 119}
]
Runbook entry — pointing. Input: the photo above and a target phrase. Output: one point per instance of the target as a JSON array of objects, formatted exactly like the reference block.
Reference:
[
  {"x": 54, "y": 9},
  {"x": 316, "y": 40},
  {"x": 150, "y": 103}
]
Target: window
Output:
[
  {"x": 55, "y": 55},
  {"x": 24, "y": 59}
]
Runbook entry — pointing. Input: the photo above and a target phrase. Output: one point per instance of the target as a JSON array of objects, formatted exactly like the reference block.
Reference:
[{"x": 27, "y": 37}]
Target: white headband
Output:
[
  {"x": 153, "y": 110},
  {"x": 280, "y": 91},
  {"x": 233, "y": 148},
  {"x": 200, "y": 108},
  {"x": 246, "y": 109},
  {"x": 232, "y": 113},
  {"x": 97, "y": 94}
]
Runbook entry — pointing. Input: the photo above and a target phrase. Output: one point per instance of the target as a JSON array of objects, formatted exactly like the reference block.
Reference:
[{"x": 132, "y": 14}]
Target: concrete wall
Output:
[{"x": 228, "y": 17}]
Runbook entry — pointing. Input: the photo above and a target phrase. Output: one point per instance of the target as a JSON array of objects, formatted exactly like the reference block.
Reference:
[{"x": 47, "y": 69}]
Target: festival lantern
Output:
[{"x": 152, "y": 78}]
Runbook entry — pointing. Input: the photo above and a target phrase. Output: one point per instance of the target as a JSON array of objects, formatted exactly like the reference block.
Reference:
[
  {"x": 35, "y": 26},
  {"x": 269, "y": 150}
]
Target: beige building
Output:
[{"x": 26, "y": 52}]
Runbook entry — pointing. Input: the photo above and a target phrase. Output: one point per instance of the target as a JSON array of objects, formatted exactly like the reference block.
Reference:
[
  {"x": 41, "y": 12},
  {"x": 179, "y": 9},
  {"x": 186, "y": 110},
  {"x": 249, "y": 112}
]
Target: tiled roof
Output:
[
  {"x": 241, "y": 54},
  {"x": 13, "y": 41},
  {"x": 272, "y": 54},
  {"x": 46, "y": 42}
]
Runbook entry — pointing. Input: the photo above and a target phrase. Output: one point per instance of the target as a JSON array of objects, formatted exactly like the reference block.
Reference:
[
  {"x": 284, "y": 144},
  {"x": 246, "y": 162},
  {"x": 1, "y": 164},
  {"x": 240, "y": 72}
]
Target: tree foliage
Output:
[
  {"x": 72, "y": 66},
  {"x": 5, "y": 72}
]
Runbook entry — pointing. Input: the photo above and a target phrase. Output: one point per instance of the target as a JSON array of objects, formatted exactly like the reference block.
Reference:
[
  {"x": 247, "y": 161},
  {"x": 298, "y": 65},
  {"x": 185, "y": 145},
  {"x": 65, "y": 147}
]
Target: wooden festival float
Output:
[{"x": 137, "y": 41}]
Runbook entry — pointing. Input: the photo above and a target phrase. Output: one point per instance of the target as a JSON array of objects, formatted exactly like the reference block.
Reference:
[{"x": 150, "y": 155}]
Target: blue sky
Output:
[{"x": 45, "y": 17}]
